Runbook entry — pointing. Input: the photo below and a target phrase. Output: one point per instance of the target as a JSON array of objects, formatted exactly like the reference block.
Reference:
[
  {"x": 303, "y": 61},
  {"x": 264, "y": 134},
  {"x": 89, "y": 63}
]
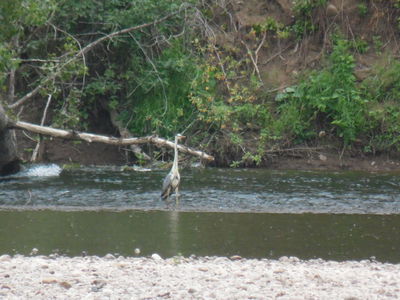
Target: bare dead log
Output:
[{"x": 90, "y": 137}]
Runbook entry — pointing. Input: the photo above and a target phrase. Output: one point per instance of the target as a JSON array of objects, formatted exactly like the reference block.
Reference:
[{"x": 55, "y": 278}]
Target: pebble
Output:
[
  {"x": 34, "y": 251},
  {"x": 322, "y": 157},
  {"x": 65, "y": 285},
  {"x": 235, "y": 257},
  {"x": 5, "y": 257},
  {"x": 201, "y": 278},
  {"x": 331, "y": 10},
  {"x": 155, "y": 256},
  {"x": 203, "y": 269},
  {"x": 49, "y": 280},
  {"x": 109, "y": 256}
]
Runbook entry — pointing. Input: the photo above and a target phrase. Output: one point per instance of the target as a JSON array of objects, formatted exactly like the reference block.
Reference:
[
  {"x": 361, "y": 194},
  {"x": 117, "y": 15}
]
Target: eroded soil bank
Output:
[
  {"x": 109, "y": 277},
  {"x": 69, "y": 152}
]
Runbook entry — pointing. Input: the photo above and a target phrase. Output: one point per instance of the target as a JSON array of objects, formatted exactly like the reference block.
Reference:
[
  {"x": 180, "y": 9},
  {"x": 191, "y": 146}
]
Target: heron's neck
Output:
[{"x": 175, "y": 164}]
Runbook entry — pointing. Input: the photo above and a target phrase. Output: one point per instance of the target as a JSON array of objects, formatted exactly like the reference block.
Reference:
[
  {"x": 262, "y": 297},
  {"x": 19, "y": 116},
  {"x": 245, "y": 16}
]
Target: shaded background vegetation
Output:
[{"x": 243, "y": 79}]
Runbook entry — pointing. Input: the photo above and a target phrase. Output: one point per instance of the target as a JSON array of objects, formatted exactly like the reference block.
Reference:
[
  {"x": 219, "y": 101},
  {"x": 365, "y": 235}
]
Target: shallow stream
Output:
[{"x": 248, "y": 212}]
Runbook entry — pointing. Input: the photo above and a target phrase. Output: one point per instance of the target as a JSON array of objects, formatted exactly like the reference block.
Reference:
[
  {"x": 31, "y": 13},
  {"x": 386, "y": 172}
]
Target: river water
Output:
[{"x": 248, "y": 212}]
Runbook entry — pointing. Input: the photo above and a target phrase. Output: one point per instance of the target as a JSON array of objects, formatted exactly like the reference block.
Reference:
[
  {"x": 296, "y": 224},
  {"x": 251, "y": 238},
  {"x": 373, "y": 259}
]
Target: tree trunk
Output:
[{"x": 9, "y": 161}]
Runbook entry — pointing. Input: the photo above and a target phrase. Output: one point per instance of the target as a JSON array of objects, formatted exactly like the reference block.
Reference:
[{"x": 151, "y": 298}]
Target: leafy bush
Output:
[
  {"x": 303, "y": 10},
  {"x": 161, "y": 103},
  {"x": 385, "y": 132},
  {"x": 329, "y": 95},
  {"x": 384, "y": 84},
  {"x": 141, "y": 76},
  {"x": 383, "y": 88}
]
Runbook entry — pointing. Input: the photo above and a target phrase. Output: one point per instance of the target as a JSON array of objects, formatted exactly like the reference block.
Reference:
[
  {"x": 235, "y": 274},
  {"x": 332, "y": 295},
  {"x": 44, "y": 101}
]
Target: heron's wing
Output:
[
  {"x": 167, "y": 181},
  {"x": 166, "y": 187}
]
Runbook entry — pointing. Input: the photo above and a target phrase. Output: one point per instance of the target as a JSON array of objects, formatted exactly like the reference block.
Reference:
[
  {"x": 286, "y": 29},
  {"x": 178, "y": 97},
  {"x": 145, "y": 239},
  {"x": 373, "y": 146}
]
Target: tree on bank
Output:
[
  {"x": 62, "y": 70},
  {"x": 145, "y": 68}
]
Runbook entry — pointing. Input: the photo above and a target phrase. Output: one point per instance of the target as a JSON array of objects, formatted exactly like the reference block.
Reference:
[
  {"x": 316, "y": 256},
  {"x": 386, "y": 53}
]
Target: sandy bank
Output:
[{"x": 108, "y": 277}]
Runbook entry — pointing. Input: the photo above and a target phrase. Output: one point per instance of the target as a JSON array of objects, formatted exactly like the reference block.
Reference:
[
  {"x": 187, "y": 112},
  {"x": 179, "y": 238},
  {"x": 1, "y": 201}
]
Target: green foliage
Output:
[
  {"x": 396, "y": 3},
  {"x": 221, "y": 101},
  {"x": 303, "y": 10},
  {"x": 273, "y": 26},
  {"x": 385, "y": 133},
  {"x": 135, "y": 80},
  {"x": 6, "y": 62},
  {"x": 70, "y": 112},
  {"x": 378, "y": 44},
  {"x": 16, "y": 19},
  {"x": 383, "y": 88},
  {"x": 226, "y": 106},
  {"x": 360, "y": 45},
  {"x": 362, "y": 9},
  {"x": 17, "y": 14},
  {"x": 330, "y": 94},
  {"x": 384, "y": 84},
  {"x": 160, "y": 103},
  {"x": 168, "y": 78}
]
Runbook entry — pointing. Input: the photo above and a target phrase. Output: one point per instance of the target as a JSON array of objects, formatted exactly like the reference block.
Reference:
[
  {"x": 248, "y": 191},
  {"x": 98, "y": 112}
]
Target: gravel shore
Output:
[{"x": 109, "y": 277}]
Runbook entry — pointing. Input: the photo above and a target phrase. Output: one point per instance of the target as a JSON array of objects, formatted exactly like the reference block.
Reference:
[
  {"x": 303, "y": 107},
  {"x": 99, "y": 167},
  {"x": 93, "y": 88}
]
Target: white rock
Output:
[
  {"x": 5, "y": 257},
  {"x": 322, "y": 157},
  {"x": 155, "y": 256},
  {"x": 109, "y": 256}
]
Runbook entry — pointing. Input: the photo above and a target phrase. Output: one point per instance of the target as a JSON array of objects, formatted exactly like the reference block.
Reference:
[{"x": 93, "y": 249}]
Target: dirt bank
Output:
[
  {"x": 194, "y": 278},
  {"x": 67, "y": 152}
]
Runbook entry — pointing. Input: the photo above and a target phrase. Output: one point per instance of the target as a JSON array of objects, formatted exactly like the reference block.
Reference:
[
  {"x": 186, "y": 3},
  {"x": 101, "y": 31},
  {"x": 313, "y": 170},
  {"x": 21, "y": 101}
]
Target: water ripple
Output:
[{"x": 252, "y": 190}]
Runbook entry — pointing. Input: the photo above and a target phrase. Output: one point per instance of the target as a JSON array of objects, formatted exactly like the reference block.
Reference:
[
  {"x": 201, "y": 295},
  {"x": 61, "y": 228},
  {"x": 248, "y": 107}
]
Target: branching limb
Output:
[
  {"x": 254, "y": 58},
  {"x": 221, "y": 64},
  {"x": 37, "y": 148},
  {"x": 90, "y": 137},
  {"x": 80, "y": 47},
  {"x": 82, "y": 52}
]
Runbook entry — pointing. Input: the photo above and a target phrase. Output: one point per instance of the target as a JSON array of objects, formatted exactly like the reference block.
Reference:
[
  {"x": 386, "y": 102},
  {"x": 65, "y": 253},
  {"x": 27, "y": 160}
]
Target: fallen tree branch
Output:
[{"x": 90, "y": 137}]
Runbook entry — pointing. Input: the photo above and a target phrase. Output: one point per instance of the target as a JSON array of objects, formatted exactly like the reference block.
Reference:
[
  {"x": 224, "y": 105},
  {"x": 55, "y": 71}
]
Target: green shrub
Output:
[
  {"x": 384, "y": 84},
  {"x": 161, "y": 102},
  {"x": 330, "y": 95},
  {"x": 383, "y": 88},
  {"x": 385, "y": 132},
  {"x": 303, "y": 11}
]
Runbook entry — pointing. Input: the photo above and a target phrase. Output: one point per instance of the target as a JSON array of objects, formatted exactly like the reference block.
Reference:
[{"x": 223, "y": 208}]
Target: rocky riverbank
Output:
[{"x": 109, "y": 277}]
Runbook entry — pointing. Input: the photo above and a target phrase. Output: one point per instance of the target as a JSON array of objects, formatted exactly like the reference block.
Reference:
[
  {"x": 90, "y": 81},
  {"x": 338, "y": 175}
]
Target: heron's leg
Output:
[
  {"x": 169, "y": 202},
  {"x": 177, "y": 196}
]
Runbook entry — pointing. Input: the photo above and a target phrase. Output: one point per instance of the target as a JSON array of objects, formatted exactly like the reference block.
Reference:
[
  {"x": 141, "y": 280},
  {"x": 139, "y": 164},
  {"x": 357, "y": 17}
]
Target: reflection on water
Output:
[
  {"x": 211, "y": 190},
  {"x": 170, "y": 233}
]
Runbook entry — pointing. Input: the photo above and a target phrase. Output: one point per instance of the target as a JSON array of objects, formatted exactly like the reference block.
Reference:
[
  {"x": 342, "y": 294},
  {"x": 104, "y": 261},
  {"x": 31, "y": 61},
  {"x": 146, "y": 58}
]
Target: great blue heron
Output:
[{"x": 172, "y": 180}]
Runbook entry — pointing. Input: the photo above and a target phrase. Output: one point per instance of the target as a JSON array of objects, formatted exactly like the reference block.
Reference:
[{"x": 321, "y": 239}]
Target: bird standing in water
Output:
[{"x": 172, "y": 180}]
